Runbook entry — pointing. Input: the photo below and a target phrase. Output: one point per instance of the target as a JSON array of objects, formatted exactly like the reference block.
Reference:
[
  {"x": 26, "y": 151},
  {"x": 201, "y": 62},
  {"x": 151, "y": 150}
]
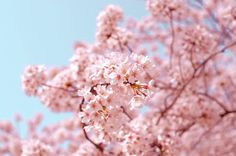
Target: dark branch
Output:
[
  {"x": 125, "y": 112},
  {"x": 98, "y": 146}
]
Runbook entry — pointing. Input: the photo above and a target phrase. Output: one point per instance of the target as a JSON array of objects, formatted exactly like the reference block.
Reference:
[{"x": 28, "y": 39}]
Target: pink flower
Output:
[
  {"x": 130, "y": 98},
  {"x": 32, "y": 78},
  {"x": 35, "y": 148}
]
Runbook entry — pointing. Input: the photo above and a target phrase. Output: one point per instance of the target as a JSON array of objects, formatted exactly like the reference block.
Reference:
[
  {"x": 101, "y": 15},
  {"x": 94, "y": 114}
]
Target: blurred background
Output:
[{"x": 44, "y": 32}]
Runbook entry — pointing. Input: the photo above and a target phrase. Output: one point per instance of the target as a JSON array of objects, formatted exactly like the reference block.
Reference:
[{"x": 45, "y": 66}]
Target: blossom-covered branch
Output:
[{"x": 164, "y": 85}]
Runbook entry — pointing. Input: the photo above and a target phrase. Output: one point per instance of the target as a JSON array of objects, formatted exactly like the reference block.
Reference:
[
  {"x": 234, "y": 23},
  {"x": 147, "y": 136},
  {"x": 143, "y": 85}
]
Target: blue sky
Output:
[{"x": 43, "y": 32}]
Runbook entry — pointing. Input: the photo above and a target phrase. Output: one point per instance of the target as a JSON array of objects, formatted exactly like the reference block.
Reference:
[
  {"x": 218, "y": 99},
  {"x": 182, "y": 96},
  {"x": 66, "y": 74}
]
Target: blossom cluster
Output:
[
  {"x": 163, "y": 85},
  {"x": 109, "y": 35}
]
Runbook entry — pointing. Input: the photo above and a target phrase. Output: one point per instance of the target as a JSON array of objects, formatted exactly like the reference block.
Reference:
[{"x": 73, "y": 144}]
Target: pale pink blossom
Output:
[
  {"x": 35, "y": 148},
  {"x": 163, "y": 85},
  {"x": 32, "y": 78}
]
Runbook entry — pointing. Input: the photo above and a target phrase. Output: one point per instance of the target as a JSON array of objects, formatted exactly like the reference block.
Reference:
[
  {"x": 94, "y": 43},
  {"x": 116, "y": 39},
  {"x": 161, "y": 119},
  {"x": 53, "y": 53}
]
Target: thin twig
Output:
[
  {"x": 173, "y": 38},
  {"x": 126, "y": 113},
  {"x": 98, "y": 146}
]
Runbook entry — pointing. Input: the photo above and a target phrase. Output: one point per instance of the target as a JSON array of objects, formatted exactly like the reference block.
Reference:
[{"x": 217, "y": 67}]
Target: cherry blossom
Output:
[{"x": 163, "y": 85}]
